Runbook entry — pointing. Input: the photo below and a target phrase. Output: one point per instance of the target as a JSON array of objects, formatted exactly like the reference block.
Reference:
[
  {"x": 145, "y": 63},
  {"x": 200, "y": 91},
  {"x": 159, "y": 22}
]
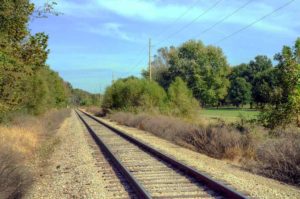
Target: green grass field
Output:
[{"x": 228, "y": 114}]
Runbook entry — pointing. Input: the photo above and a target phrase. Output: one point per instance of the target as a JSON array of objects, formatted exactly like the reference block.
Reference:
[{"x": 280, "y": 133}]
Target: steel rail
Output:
[
  {"x": 197, "y": 175},
  {"x": 141, "y": 192}
]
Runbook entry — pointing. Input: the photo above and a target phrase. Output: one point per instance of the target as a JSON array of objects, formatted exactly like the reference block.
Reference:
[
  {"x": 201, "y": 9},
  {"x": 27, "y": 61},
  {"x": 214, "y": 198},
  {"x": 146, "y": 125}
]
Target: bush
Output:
[
  {"x": 220, "y": 142},
  {"x": 181, "y": 100},
  {"x": 279, "y": 158},
  {"x": 132, "y": 94}
]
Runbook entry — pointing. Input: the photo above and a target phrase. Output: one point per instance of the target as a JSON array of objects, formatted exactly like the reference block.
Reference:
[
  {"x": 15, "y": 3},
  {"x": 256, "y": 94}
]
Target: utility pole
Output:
[
  {"x": 150, "y": 72},
  {"x": 100, "y": 95},
  {"x": 112, "y": 78}
]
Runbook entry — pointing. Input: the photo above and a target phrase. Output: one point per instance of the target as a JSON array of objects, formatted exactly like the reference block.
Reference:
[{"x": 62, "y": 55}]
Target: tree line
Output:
[
  {"x": 27, "y": 83},
  {"x": 271, "y": 88}
]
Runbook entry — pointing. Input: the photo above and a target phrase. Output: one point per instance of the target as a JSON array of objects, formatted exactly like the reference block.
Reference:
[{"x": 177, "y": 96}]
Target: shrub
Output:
[
  {"x": 279, "y": 158},
  {"x": 132, "y": 93},
  {"x": 219, "y": 142},
  {"x": 181, "y": 100}
]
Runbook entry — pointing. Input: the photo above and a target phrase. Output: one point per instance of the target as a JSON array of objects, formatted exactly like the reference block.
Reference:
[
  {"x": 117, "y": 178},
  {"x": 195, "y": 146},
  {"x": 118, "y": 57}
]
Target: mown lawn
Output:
[{"x": 228, "y": 114}]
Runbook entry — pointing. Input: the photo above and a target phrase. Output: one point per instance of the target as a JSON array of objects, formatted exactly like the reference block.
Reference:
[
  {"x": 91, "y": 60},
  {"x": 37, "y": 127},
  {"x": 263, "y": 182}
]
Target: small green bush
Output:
[{"x": 181, "y": 100}]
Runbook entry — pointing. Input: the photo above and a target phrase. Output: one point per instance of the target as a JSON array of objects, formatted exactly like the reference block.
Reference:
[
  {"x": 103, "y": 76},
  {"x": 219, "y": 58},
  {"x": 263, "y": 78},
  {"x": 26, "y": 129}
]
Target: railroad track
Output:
[{"x": 150, "y": 173}]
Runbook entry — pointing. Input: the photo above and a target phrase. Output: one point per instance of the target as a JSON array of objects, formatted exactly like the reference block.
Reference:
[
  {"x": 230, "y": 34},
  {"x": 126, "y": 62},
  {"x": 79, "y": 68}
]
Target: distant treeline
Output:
[
  {"x": 213, "y": 82},
  {"x": 27, "y": 83},
  {"x": 83, "y": 98}
]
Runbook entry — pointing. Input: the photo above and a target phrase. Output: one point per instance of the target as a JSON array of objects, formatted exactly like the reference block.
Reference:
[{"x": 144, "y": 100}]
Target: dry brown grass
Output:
[
  {"x": 20, "y": 141},
  {"x": 215, "y": 141},
  {"x": 97, "y": 111},
  {"x": 275, "y": 155},
  {"x": 279, "y": 158}
]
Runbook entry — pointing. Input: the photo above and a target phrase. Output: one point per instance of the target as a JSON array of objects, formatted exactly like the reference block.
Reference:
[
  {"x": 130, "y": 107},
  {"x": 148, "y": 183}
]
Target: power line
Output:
[
  {"x": 176, "y": 20},
  {"x": 190, "y": 23},
  {"x": 226, "y": 17},
  {"x": 182, "y": 28},
  {"x": 180, "y": 16},
  {"x": 137, "y": 64},
  {"x": 254, "y": 22},
  {"x": 217, "y": 23}
]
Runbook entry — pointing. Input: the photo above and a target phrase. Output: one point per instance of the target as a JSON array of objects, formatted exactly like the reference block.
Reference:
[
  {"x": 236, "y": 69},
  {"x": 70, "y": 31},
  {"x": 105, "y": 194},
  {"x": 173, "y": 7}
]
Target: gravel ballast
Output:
[{"x": 73, "y": 170}]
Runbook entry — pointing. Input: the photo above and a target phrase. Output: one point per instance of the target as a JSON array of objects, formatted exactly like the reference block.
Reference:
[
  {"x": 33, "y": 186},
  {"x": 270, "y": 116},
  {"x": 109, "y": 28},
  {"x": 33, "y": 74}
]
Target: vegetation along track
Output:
[{"x": 149, "y": 172}]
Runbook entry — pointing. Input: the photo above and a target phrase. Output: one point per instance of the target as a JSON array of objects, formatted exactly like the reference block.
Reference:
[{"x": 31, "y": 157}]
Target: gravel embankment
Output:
[
  {"x": 73, "y": 170},
  {"x": 253, "y": 185}
]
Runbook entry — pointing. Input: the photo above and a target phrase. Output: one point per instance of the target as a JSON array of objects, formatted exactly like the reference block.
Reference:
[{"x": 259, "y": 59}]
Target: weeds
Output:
[
  {"x": 215, "y": 141},
  {"x": 97, "y": 111},
  {"x": 275, "y": 154},
  {"x": 21, "y": 141},
  {"x": 279, "y": 158},
  {"x": 14, "y": 177}
]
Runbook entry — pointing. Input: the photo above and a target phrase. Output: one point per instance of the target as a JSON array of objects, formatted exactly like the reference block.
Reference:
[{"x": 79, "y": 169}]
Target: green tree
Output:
[
  {"x": 181, "y": 100},
  {"x": 204, "y": 68},
  {"x": 265, "y": 87},
  {"x": 83, "y": 98},
  {"x": 256, "y": 73},
  {"x": 257, "y": 69},
  {"x": 286, "y": 109},
  {"x": 160, "y": 67},
  {"x": 13, "y": 83},
  {"x": 240, "y": 91},
  {"x": 241, "y": 70},
  {"x": 260, "y": 63},
  {"x": 26, "y": 82},
  {"x": 14, "y": 17}
]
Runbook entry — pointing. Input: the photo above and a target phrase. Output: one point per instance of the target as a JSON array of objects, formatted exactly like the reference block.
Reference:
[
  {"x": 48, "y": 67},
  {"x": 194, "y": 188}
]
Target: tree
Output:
[
  {"x": 160, "y": 67},
  {"x": 241, "y": 70},
  {"x": 26, "y": 82},
  {"x": 257, "y": 69},
  {"x": 204, "y": 68},
  {"x": 259, "y": 64},
  {"x": 265, "y": 88},
  {"x": 14, "y": 17},
  {"x": 83, "y": 98},
  {"x": 256, "y": 73},
  {"x": 240, "y": 91},
  {"x": 286, "y": 109},
  {"x": 181, "y": 100}
]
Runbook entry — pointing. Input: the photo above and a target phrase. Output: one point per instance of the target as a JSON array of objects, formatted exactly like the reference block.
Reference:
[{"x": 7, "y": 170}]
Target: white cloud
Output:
[
  {"x": 155, "y": 11},
  {"x": 111, "y": 29},
  {"x": 164, "y": 12}
]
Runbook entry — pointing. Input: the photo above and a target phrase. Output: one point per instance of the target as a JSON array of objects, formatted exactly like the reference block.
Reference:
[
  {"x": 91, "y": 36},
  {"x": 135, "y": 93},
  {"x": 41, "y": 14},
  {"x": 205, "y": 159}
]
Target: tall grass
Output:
[{"x": 20, "y": 142}]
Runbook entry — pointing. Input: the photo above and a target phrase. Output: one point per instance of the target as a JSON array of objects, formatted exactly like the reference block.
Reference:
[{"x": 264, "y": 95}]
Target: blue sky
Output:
[{"x": 94, "y": 39}]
